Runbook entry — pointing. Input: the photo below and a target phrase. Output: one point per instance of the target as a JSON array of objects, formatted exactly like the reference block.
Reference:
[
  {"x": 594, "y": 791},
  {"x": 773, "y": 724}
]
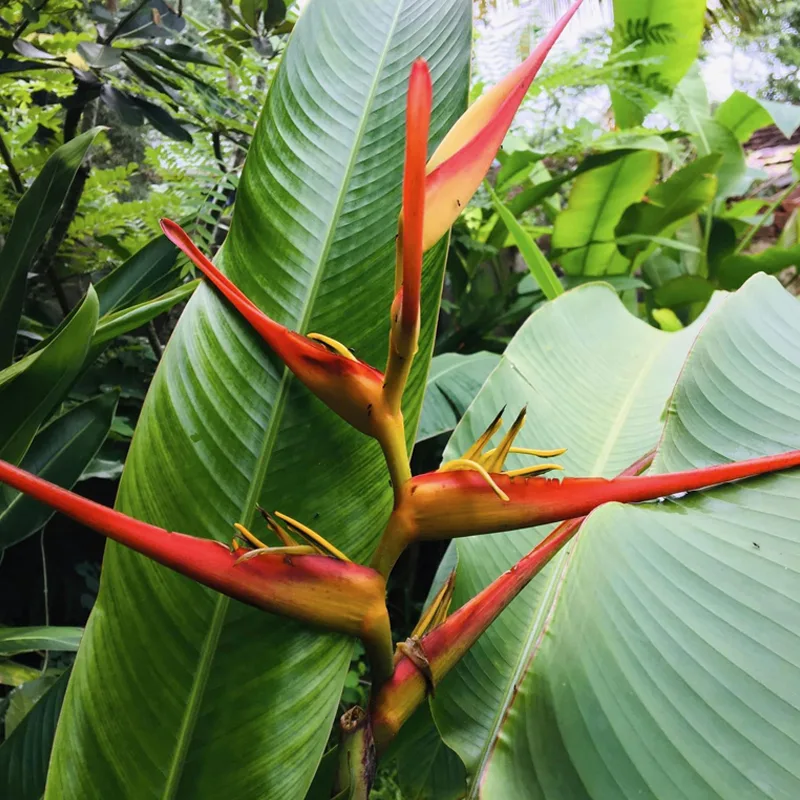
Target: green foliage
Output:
[
  {"x": 526, "y": 709},
  {"x": 666, "y": 34},
  {"x": 312, "y": 243}
]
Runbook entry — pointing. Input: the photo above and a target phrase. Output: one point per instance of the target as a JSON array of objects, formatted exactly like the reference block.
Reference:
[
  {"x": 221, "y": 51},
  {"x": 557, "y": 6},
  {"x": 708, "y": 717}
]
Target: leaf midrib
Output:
[
  {"x": 546, "y": 607},
  {"x": 248, "y": 511}
]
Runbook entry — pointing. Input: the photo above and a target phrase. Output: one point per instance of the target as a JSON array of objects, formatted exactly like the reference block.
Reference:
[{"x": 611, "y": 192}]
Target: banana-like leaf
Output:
[
  {"x": 597, "y": 202},
  {"x": 36, "y": 212},
  {"x": 667, "y": 204},
  {"x": 59, "y": 453},
  {"x": 667, "y": 36},
  {"x": 658, "y": 657},
  {"x": 178, "y": 692},
  {"x": 453, "y": 382}
]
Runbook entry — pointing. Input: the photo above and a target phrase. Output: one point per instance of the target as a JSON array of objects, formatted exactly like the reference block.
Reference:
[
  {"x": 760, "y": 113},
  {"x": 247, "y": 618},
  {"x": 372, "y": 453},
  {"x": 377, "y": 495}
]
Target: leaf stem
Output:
[{"x": 758, "y": 224}]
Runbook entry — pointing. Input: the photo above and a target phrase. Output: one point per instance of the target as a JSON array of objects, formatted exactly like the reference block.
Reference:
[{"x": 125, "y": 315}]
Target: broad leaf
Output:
[
  {"x": 736, "y": 269},
  {"x": 665, "y": 35},
  {"x": 744, "y": 115},
  {"x": 453, "y": 382},
  {"x": 36, "y": 212},
  {"x": 669, "y": 203},
  {"x": 31, "y": 395},
  {"x": 427, "y": 769},
  {"x": 24, "y": 756},
  {"x": 599, "y": 198},
  {"x": 595, "y": 380},
  {"x": 28, "y": 640},
  {"x": 662, "y": 651},
  {"x": 689, "y": 108},
  {"x": 243, "y": 700},
  {"x": 59, "y": 453}
]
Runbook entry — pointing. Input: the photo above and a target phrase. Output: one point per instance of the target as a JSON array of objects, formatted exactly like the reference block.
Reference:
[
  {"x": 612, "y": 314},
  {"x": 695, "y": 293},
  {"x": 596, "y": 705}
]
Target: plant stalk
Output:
[{"x": 756, "y": 227}]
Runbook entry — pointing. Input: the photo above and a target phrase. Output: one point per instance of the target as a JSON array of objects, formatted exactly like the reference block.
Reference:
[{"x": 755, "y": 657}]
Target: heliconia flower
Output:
[
  {"x": 323, "y": 591},
  {"x": 418, "y": 672},
  {"x": 467, "y": 502},
  {"x": 351, "y": 388},
  {"x": 464, "y": 156}
]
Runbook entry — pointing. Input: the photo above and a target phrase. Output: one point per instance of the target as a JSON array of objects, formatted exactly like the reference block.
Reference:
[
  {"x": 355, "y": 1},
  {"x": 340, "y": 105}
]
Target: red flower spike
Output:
[
  {"x": 404, "y": 336},
  {"x": 418, "y": 117},
  {"x": 351, "y": 388},
  {"x": 462, "y": 160},
  {"x": 444, "y": 646},
  {"x": 444, "y": 505},
  {"x": 321, "y": 591}
]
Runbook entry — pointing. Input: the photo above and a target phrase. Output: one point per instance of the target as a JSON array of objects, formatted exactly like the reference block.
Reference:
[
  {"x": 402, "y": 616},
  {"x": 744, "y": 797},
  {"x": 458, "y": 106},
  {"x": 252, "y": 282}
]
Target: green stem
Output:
[
  {"x": 756, "y": 227},
  {"x": 356, "y": 756}
]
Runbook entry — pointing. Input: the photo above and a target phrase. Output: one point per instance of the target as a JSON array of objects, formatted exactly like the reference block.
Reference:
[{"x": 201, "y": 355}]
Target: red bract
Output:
[{"x": 322, "y": 591}]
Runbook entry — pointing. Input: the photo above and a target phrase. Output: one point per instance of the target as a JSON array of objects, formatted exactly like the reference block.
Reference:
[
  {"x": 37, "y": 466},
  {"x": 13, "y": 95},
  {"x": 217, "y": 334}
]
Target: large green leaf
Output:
[
  {"x": 178, "y": 692},
  {"x": 24, "y": 756},
  {"x": 36, "y": 212},
  {"x": 40, "y": 381},
  {"x": 660, "y": 653},
  {"x": 664, "y": 35},
  {"x": 599, "y": 198},
  {"x": 744, "y": 115},
  {"x": 453, "y": 382},
  {"x": 59, "y": 453},
  {"x": 595, "y": 380},
  {"x": 689, "y": 107}
]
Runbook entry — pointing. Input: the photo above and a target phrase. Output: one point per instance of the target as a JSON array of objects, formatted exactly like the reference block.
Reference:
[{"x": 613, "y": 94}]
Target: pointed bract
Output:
[
  {"x": 348, "y": 386},
  {"x": 464, "y": 156},
  {"x": 418, "y": 117},
  {"x": 321, "y": 591}
]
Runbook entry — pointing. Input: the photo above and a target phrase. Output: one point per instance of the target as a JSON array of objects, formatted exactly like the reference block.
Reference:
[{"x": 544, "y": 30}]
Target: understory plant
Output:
[{"x": 178, "y": 691}]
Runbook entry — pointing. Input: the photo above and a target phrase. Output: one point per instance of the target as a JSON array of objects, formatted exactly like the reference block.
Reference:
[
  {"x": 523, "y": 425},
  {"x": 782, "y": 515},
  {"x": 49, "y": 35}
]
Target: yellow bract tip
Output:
[
  {"x": 254, "y": 540},
  {"x": 316, "y": 541},
  {"x": 332, "y": 344}
]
